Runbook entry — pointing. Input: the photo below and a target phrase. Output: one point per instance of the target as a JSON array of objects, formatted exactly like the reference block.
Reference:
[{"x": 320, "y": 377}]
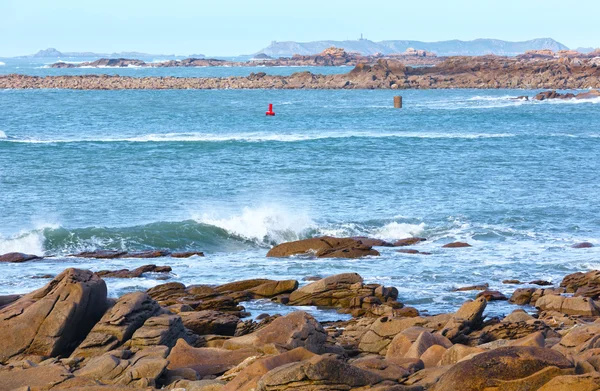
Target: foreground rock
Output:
[
  {"x": 53, "y": 320},
  {"x": 118, "y": 324},
  {"x": 517, "y": 367},
  {"x": 323, "y": 247}
]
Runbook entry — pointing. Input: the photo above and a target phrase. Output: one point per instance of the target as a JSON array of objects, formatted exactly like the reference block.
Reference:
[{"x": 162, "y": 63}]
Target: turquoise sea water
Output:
[{"x": 207, "y": 170}]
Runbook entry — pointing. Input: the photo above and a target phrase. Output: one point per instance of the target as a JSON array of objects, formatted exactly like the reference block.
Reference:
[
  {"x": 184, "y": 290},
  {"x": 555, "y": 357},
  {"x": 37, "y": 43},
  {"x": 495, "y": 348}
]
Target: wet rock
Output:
[
  {"x": 147, "y": 254},
  {"x": 248, "y": 378},
  {"x": 480, "y": 287},
  {"x": 371, "y": 242},
  {"x": 18, "y": 258},
  {"x": 503, "y": 364},
  {"x": 135, "y": 273},
  {"x": 187, "y": 254},
  {"x": 456, "y": 245},
  {"x": 100, "y": 254},
  {"x": 54, "y": 319},
  {"x": 122, "y": 367},
  {"x": 312, "y": 278},
  {"x": 412, "y": 251},
  {"x": 323, "y": 247},
  {"x": 408, "y": 241},
  {"x": 206, "y": 361},
  {"x": 345, "y": 291},
  {"x": 583, "y": 245},
  {"x": 210, "y": 322},
  {"x": 298, "y": 329},
  {"x": 118, "y": 324},
  {"x": 319, "y": 371},
  {"x": 492, "y": 295},
  {"x": 468, "y": 318},
  {"x": 540, "y": 282},
  {"x": 516, "y": 282}
]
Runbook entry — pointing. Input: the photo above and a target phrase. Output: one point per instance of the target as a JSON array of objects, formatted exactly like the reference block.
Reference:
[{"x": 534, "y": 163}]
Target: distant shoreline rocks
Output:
[{"x": 485, "y": 72}]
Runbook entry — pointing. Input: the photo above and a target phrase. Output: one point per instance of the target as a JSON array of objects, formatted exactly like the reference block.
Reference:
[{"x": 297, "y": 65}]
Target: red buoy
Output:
[{"x": 270, "y": 112}]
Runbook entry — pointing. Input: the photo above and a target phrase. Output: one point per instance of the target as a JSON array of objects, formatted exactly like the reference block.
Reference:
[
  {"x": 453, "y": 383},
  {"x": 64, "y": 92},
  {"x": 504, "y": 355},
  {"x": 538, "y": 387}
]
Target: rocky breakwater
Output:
[{"x": 69, "y": 335}]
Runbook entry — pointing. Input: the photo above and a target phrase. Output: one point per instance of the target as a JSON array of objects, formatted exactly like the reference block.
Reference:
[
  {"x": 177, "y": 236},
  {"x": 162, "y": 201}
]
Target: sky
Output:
[{"x": 234, "y": 27}]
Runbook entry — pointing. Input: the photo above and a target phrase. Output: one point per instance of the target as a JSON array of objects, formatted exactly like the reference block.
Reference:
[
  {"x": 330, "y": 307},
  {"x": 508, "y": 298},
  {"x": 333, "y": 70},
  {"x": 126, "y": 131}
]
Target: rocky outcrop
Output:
[
  {"x": 468, "y": 318},
  {"x": 206, "y": 361},
  {"x": 135, "y": 273},
  {"x": 456, "y": 245},
  {"x": 119, "y": 323},
  {"x": 583, "y": 284},
  {"x": 52, "y": 320},
  {"x": 162, "y": 330},
  {"x": 556, "y": 95},
  {"x": 18, "y": 257},
  {"x": 210, "y": 322},
  {"x": 346, "y": 291},
  {"x": 568, "y": 305},
  {"x": 298, "y": 329},
  {"x": 323, "y": 247}
]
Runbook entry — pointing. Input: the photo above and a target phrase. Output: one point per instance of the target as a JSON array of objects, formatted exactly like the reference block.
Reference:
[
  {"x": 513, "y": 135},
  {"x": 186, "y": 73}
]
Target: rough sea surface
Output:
[{"x": 207, "y": 170}]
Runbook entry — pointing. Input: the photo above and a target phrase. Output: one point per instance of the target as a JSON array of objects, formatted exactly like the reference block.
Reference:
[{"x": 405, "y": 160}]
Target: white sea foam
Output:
[
  {"x": 267, "y": 137},
  {"x": 2, "y": 64},
  {"x": 395, "y": 231},
  {"x": 266, "y": 223},
  {"x": 3, "y": 135}
]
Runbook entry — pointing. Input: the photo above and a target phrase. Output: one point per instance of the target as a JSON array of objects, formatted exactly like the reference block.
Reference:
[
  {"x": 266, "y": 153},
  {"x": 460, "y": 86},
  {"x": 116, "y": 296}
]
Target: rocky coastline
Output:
[
  {"x": 69, "y": 335},
  {"x": 486, "y": 72},
  {"x": 329, "y": 57}
]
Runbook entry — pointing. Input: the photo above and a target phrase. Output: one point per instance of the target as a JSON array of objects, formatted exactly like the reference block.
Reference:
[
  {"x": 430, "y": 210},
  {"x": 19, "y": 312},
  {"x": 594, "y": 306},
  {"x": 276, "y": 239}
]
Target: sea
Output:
[{"x": 207, "y": 170}]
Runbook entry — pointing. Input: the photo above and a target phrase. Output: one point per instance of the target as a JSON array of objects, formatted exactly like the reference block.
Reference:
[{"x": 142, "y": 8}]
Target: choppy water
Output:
[{"x": 206, "y": 170}]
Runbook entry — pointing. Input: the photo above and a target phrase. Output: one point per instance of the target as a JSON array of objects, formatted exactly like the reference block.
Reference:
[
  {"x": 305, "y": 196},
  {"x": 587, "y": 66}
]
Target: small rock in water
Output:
[
  {"x": 18, "y": 257},
  {"x": 43, "y": 276},
  {"x": 412, "y": 251},
  {"x": 582, "y": 245},
  {"x": 492, "y": 295},
  {"x": 480, "y": 287},
  {"x": 540, "y": 282},
  {"x": 511, "y": 282},
  {"x": 312, "y": 278},
  {"x": 408, "y": 241},
  {"x": 187, "y": 254},
  {"x": 135, "y": 273},
  {"x": 372, "y": 242},
  {"x": 456, "y": 245}
]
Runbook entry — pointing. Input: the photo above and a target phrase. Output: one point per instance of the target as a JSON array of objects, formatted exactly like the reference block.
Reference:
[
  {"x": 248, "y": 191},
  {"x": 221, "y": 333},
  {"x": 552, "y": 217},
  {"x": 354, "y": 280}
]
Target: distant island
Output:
[
  {"x": 53, "y": 53},
  {"x": 328, "y": 57},
  {"x": 477, "y": 47}
]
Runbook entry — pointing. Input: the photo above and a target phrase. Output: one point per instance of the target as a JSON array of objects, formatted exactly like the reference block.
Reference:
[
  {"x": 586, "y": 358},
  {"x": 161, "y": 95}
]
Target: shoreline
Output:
[
  {"x": 199, "y": 337},
  {"x": 486, "y": 72}
]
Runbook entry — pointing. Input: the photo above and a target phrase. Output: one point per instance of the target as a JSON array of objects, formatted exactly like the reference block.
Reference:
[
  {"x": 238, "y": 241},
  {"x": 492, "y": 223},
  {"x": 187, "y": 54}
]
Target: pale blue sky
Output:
[{"x": 231, "y": 27}]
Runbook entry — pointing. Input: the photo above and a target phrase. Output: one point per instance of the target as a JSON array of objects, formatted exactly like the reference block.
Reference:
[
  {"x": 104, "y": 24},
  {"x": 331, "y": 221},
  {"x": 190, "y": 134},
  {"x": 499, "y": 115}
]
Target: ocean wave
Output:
[
  {"x": 2, "y": 64},
  {"x": 263, "y": 137},
  {"x": 3, "y": 135}
]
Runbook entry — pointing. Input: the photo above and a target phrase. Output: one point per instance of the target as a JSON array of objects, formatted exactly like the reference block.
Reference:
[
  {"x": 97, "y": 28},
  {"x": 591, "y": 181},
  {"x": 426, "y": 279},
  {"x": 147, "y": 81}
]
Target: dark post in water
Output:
[{"x": 397, "y": 102}]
